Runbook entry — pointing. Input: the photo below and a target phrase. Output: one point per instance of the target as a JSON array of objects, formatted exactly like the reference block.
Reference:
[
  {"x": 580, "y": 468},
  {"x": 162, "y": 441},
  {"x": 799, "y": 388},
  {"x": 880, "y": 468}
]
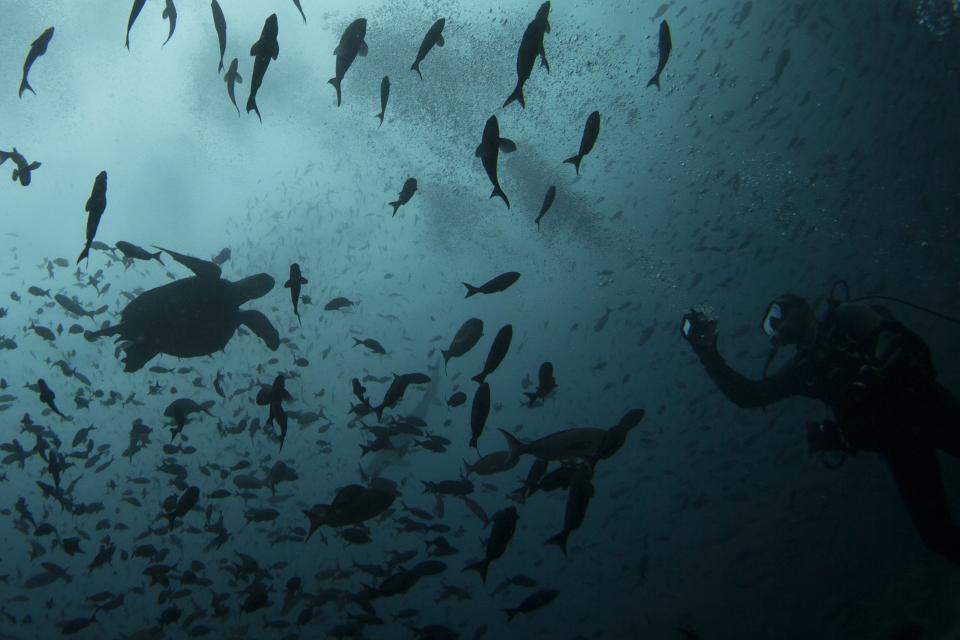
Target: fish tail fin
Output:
[
  {"x": 127, "y": 43},
  {"x": 379, "y": 411},
  {"x": 471, "y": 291},
  {"x": 84, "y": 254},
  {"x": 446, "y": 358},
  {"x": 156, "y": 256},
  {"x": 498, "y": 192},
  {"x": 299, "y": 320},
  {"x": 480, "y": 377},
  {"x": 25, "y": 86},
  {"x": 336, "y": 85},
  {"x": 560, "y": 540},
  {"x": 380, "y": 117},
  {"x": 532, "y": 397},
  {"x": 396, "y": 205},
  {"x": 416, "y": 67},
  {"x": 514, "y": 445},
  {"x": 357, "y": 342},
  {"x": 220, "y": 69},
  {"x": 252, "y": 106},
  {"x": 480, "y": 567},
  {"x": 517, "y": 96},
  {"x": 575, "y": 161},
  {"x": 655, "y": 80},
  {"x": 473, "y": 442}
]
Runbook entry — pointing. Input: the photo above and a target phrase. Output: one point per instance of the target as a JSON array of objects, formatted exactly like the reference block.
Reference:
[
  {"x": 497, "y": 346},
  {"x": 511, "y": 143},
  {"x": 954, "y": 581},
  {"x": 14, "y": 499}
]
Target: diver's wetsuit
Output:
[{"x": 902, "y": 412}]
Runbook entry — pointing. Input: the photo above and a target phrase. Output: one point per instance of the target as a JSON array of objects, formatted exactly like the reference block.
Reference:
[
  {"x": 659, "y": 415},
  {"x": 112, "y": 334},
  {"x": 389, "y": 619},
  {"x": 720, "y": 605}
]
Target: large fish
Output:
[
  {"x": 489, "y": 151},
  {"x": 578, "y": 499},
  {"x": 479, "y": 412},
  {"x": 665, "y": 46},
  {"x": 590, "y": 133},
  {"x": 134, "y": 12},
  {"x": 232, "y": 78},
  {"x": 409, "y": 188},
  {"x": 498, "y": 351},
  {"x": 294, "y": 283},
  {"x": 351, "y": 45},
  {"x": 170, "y": 13},
  {"x": 465, "y": 339},
  {"x": 434, "y": 37},
  {"x": 96, "y": 205},
  {"x": 501, "y": 283},
  {"x": 384, "y": 96},
  {"x": 547, "y": 203},
  {"x": 504, "y": 525},
  {"x": 37, "y": 49},
  {"x": 530, "y": 47},
  {"x": 263, "y": 50},
  {"x": 220, "y": 24}
]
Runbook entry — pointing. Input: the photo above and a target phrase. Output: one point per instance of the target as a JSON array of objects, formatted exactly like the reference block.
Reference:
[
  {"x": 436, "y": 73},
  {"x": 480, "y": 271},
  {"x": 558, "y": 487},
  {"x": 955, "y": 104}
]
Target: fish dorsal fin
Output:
[{"x": 200, "y": 268}]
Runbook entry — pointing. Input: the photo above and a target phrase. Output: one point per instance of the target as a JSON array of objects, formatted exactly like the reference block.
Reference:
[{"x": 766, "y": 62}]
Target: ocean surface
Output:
[{"x": 789, "y": 144}]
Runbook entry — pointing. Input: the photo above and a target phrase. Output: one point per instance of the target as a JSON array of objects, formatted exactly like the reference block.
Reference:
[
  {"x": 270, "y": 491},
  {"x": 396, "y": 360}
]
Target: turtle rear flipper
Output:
[{"x": 258, "y": 323}]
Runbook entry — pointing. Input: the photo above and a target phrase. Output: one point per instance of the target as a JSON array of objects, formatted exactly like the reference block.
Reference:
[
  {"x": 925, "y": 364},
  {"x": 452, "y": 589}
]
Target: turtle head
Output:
[{"x": 253, "y": 287}]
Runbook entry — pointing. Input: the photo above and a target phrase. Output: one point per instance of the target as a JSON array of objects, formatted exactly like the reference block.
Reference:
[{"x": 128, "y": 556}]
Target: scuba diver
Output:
[{"x": 878, "y": 379}]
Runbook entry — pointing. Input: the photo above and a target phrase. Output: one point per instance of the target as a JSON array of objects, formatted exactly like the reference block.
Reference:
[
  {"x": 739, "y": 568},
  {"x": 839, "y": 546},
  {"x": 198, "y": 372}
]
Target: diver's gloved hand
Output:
[{"x": 700, "y": 331}]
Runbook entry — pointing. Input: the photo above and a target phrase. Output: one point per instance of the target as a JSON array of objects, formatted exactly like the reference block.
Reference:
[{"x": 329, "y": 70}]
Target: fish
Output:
[
  {"x": 498, "y": 351},
  {"x": 186, "y": 502},
  {"x": 134, "y": 12},
  {"x": 169, "y": 13},
  {"x": 232, "y": 78},
  {"x": 38, "y": 292},
  {"x": 479, "y": 412},
  {"x": 337, "y": 303},
  {"x": 384, "y": 96},
  {"x": 546, "y": 383},
  {"x": 578, "y": 499},
  {"x": 263, "y": 50},
  {"x": 37, "y": 49},
  {"x": 220, "y": 24},
  {"x": 601, "y": 322},
  {"x": 300, "y": 9},
  {"x": 409, "y": 188},
  {"x": 547, "y": 203},
  {"x": 274, "y": 396},
  {"x": 74, "y": 307},
  {"x": 590, "y": 133},
  {"x": 491, "y": 144},
  {"x": 531, "y": 45},
  {"x": 47, "y": 397},
  {"x": 372, "y": 345},
  {"x": 504, "y": 525},
  {"x": 434, "y": 37},
  {"x": 500, "y": 283},
  {"x": 456, "y": 399},
  {"x": 96, "y": 205},
  {"x": 294, "y": 282},
  {"x": 467, "y": 336},
  {"x": 23, "y": 170},
  {"x": 490, "y": 464},
  {"x": 351, "y": 45},
  {"x": 135, "y": 252},
  {"x": 533, "y": 602},
  {"x": 665, "y": 46}
]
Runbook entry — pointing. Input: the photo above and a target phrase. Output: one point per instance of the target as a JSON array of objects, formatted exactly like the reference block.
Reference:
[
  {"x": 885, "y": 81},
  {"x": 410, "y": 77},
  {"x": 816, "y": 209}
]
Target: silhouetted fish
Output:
[
  {"x": 409, "y": 188},
  {"x": 434, "y": 37},
  {"x": 501, "y": 283},
  {"x": 232, "y": 78},
  {"x": 590, "y": 133},
  {"x": 665, "y": 46},
  {"x": 170, "y": 13},
  {"x": 384, "y": 96},
  {"x": 294, "y": 283},
  {"x": 531, "y": 45},
  {"x": 263, "y": 50},
  {"x": 489, "y": 151},
  {"x": 134, "y": 12},
  {"x": 547, "y": 203},
  {"x": 351, "y": 45},
  {"x": 37, "y": 49},
  {"x": 96, "y": 205},
  {"x": 220, "y": 24}
]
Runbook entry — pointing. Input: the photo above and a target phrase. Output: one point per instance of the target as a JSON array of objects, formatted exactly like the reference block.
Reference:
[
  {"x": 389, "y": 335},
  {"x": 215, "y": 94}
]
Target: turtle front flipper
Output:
[
  {"x": 258, "y": 323},
  {"x": 201, "y": 268},
  {"x": 136, "y": 355}
]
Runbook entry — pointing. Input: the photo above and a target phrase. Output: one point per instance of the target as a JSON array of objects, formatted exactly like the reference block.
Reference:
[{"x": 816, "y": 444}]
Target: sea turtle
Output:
[{"x": 191, "y": 317}]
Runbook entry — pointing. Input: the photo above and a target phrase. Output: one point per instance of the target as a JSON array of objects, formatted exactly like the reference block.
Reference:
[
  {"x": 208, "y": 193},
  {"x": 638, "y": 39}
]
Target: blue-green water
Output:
[{"x": 790, "y": 144}]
